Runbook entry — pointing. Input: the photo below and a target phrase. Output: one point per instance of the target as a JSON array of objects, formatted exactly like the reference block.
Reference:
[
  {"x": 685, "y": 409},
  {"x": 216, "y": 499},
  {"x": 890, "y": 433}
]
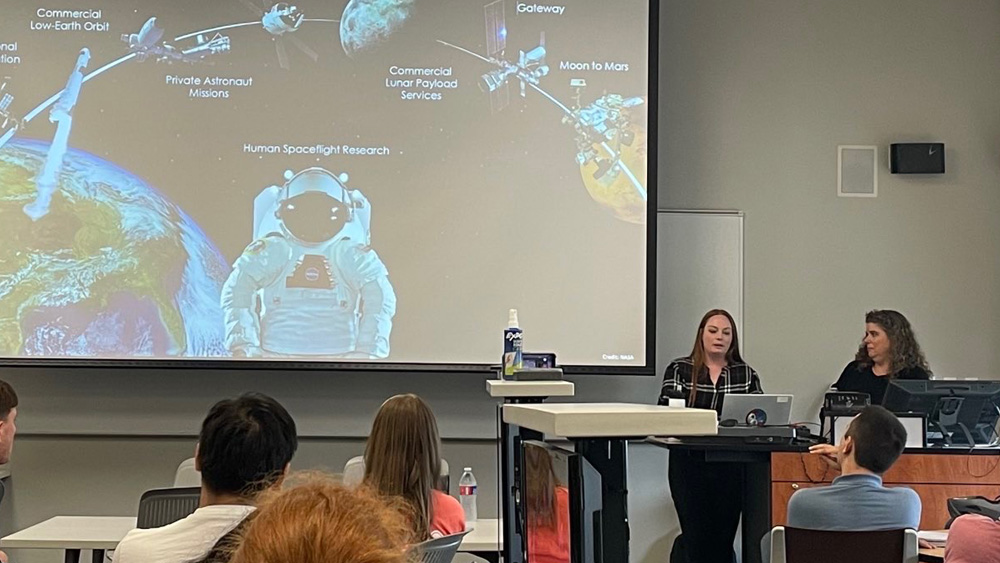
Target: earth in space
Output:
[
  {"x": 367, "y": 24},
  {"x": 114, "y": 270}
]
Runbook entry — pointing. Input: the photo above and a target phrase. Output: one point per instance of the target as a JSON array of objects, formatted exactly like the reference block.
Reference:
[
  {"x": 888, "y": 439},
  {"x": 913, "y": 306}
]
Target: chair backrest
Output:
[
  {"x": 354, "y": 473},
  {"x": 796, "y": 545},
  {"x": 437, "y": 550},
  {"x": 159, "y": 507},
  {"x": 186, "y": 475}
]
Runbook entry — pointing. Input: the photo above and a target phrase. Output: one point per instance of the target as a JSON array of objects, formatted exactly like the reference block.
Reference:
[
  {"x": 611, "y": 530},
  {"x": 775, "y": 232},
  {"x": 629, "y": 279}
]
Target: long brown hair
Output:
[
  {"x": 321, "y": 521},
  {"x": 698, "y": 352},
  {"x": 904, "y": 352},
  {"x": 541, "y": 482},
  {"x": 403, "y": 456}
]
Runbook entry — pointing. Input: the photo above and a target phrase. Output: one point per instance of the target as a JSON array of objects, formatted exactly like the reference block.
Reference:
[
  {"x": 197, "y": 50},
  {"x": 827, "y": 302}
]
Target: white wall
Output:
[{"x": 755, "y": 97}]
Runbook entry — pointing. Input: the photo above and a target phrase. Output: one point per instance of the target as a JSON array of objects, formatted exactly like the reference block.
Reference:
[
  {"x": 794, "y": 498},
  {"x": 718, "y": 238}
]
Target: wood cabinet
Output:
[{"x": 936, "y": 477}]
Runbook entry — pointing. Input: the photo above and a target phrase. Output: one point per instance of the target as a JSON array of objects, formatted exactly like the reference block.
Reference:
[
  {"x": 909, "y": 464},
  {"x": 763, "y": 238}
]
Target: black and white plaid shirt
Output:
[{"x": 735, "y": 378}]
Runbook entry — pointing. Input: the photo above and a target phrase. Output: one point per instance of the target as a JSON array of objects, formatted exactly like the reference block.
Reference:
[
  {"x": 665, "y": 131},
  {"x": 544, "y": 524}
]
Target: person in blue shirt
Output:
[{"x": 856, "y": 501}]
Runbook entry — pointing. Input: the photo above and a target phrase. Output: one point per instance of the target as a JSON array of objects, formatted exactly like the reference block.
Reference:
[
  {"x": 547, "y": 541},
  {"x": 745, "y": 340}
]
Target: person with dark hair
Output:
[
  {"x": 245, "y": 447},
  {"x": 888, "y": 351},
  {"x": 707, "y": 495},
  {"x": 8, "y": 412},
  {"x": 856, "y": 501}
]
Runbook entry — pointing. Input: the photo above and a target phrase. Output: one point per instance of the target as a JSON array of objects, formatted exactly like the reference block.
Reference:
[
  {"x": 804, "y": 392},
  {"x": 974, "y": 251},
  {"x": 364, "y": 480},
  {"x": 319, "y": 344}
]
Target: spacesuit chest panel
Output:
[{"x": 310, "y": 308}]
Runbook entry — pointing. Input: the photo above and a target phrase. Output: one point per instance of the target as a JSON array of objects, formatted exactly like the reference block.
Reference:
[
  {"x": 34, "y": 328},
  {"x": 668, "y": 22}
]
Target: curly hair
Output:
[
  {"x": 319, "y": 520},
  {"x": 904, "y": 352}
]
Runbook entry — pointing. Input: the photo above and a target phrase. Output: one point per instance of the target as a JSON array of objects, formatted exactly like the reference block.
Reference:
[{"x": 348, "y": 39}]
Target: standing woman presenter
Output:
[{"x": 707, "y": 495}]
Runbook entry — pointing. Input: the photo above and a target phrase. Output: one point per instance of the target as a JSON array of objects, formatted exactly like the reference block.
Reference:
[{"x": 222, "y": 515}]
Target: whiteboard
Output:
[{"x": 699, "y": 267}]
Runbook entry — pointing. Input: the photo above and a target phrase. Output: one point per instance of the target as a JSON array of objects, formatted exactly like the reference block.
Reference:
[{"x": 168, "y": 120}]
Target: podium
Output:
[
  {"x": 600, "y": 432},
  {"x": 509, "y": 452}
]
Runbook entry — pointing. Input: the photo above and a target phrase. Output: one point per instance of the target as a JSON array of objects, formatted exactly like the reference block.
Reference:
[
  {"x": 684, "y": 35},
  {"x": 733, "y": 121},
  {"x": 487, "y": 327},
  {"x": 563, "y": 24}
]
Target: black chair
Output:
[
  {"x": 796, "y": 545},
  {"x": 438, "y": 550},
  {"x": 159, "y": 507},
  {"x": 972, "y": 505}
]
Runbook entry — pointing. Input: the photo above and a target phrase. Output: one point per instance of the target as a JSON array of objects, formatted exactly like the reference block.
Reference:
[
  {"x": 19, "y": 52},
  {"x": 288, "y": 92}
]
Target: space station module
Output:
[{"x": 310, "y": 284}]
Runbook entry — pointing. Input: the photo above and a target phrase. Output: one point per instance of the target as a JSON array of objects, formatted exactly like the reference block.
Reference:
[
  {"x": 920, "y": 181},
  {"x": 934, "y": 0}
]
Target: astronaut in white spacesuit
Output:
[{"x": 309, "y": 285}]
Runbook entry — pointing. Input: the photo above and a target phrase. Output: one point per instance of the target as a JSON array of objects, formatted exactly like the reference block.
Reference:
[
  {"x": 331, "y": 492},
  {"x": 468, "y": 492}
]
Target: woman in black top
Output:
[
  {"x": 707, "y": 495},
  {"x": 889, "y": 351}
]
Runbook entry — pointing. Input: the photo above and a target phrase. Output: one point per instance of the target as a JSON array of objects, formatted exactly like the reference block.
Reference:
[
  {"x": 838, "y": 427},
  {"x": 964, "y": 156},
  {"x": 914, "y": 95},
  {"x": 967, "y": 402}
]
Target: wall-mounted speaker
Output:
[{"x": 916, "y": 158}]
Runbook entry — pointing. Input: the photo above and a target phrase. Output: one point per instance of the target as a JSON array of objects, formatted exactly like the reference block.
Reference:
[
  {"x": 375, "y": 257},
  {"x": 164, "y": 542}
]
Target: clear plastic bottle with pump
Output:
[
  {"x": 467, "y": 496},
  {"x": 512, "y": 346}
]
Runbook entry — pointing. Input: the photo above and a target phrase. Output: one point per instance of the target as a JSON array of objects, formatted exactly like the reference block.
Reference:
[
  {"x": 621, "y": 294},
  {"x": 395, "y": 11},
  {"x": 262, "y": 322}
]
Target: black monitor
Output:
[
  {"x": 964, "y": 412},
  {"x": 560, "y": 505}
]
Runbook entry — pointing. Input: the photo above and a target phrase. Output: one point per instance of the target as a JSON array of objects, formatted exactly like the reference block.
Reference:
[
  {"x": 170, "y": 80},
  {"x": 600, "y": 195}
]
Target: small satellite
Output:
[
  {"x": 281, "y": 20},
  {"x": 9, "y": 125},
  {"x": 148, "y": 43},
  {"x": 530, "y": 66}
]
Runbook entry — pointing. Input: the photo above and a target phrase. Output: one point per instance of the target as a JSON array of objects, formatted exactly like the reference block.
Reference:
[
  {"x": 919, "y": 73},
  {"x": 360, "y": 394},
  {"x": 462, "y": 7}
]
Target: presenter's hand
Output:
[{"x": 829, "y": 453}]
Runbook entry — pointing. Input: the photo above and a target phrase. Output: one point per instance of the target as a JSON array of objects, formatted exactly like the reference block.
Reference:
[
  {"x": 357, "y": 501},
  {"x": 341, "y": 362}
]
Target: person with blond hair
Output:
[
  {"x": 322, "y": 521},
  {"x": 403, "y": 459}
]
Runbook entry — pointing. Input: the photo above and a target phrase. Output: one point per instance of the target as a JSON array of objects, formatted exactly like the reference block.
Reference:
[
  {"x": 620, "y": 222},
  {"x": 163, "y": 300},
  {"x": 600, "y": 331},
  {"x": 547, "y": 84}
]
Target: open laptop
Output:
[{"x": 757, "y": 410}]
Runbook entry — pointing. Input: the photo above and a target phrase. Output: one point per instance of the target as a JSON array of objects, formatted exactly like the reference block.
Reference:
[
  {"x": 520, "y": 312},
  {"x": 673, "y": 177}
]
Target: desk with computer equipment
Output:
[{"x": 953, "y": 454}]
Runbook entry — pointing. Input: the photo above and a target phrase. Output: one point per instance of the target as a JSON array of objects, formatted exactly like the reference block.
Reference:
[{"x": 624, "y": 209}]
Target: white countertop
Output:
[
  {"x": 551, "y": 388},
  {"x": 485, "y": 536},
  {"x": 72, "y": 532},
  {"x": 583, "y": 420},
  {"x": 104, "y": 532}
]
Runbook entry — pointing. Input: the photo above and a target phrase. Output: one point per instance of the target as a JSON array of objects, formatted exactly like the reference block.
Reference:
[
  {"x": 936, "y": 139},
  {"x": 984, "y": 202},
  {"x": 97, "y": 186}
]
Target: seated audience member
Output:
[
  {"x": 322, "y": 521},
  {"x": 888, "y": 351},
  {"x": 547, "y": 501},
  {"x": 245, "y": 446},
  {"x": 403, "y": 459},
  {"x": 856, "y": 501},
  {"x": 973, "y": 538},
  {"x": 8, "y": 412}
]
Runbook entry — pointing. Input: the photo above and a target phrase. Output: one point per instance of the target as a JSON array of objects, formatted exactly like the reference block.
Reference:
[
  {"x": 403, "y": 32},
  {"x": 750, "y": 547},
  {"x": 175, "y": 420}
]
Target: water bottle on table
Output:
[{"x": 467, "y": 496}]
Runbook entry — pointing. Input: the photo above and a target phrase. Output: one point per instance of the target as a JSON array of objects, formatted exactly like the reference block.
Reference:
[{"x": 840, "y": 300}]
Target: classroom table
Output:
[
  {"x": 935, "y": 555},
  {"x": 73, "y": 534}
]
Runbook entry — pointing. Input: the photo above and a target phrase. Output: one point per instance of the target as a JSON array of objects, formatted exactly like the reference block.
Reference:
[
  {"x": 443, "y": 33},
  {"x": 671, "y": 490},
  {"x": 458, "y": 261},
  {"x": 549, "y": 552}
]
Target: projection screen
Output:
[{"x": 373, "y": 182}]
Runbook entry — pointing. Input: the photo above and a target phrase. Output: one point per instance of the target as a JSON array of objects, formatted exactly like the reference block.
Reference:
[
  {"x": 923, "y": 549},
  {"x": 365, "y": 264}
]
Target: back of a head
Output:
[
  {"x": 8, "y": 399},
  {"x": 403, "y": 455},
  {"x": 321, "y": 521},
  {"x": 245, "y": 444},
  {"x": 879, "y": 439}
]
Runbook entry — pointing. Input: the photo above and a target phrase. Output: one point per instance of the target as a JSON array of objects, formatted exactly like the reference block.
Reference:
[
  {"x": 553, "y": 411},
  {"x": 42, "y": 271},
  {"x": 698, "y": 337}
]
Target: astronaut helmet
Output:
[{"x": 314, "y": 206}]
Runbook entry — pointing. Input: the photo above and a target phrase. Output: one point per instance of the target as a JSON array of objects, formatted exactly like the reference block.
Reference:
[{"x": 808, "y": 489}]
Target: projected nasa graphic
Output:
[{"x": 362, "y": 180}]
